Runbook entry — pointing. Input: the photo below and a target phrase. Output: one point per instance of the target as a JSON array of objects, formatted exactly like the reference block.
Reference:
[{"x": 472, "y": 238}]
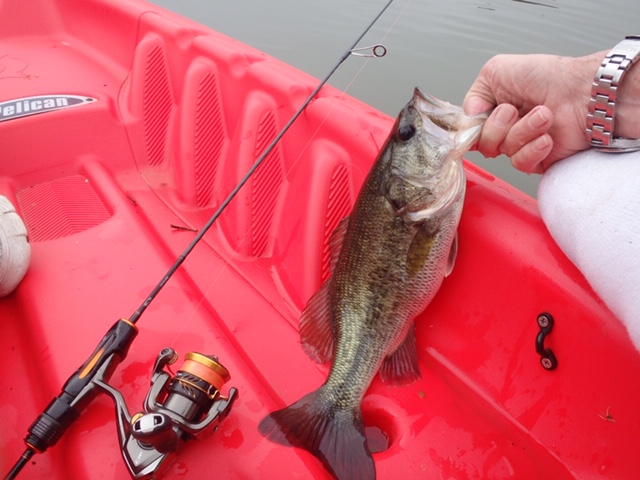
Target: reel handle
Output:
[{"x": 155, "y": 430}]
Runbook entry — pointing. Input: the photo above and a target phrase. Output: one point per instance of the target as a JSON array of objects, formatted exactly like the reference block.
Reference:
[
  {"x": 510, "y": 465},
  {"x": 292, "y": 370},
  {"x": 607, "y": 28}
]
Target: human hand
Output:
[{"x": 542, "y": 103}]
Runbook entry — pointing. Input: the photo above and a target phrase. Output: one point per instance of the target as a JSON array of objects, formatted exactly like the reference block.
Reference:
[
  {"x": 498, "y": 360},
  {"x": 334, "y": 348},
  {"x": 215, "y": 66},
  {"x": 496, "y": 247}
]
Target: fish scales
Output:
[
  {"x": 367, "y": 301},
  {"x": 394, "y": 251}
]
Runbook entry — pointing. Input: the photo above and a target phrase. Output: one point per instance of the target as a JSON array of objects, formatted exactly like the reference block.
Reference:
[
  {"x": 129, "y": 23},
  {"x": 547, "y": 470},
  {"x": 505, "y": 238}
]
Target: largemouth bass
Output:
[{"x": 389, "y": 258}]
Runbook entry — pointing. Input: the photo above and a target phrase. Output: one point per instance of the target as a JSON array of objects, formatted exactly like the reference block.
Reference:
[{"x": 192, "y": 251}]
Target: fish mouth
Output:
[
  {"x": 420, "y": 194},
  {"x": 448, "y": 122}
]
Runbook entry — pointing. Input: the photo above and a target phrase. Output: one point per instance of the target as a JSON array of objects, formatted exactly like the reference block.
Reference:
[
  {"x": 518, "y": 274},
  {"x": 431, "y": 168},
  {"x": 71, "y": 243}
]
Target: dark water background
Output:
[{"x": 437, "y": 45}]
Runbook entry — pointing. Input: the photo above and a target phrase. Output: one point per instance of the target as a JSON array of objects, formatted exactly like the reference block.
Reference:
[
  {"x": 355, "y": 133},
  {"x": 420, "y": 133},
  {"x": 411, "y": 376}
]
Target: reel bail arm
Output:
[{"x": 177, "y": 409}]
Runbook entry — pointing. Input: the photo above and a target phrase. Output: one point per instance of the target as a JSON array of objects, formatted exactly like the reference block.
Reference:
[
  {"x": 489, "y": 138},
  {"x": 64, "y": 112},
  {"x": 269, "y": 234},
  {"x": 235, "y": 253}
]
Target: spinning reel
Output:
[{"x": 178, "y": 408}]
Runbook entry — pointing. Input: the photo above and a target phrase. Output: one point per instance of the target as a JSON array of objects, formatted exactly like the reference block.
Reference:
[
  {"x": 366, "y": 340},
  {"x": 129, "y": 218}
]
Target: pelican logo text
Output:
[{"x": 22, "y": 107}]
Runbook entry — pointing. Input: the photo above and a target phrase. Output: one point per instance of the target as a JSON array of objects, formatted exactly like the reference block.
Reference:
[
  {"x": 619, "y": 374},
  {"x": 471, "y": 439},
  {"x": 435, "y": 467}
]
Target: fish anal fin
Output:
[
  {"x": 316, "y": 326},
  {"x": 335, "y": 436},
  {"x": 401, "y": 367}
]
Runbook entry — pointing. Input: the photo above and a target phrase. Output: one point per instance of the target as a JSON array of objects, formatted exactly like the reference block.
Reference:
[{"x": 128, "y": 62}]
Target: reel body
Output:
[{"x": 177, "y": 408}]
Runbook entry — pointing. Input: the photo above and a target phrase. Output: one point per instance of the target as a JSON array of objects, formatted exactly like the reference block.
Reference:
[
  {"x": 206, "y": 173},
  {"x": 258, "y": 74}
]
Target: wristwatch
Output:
[{"x": 602, "y": 106}]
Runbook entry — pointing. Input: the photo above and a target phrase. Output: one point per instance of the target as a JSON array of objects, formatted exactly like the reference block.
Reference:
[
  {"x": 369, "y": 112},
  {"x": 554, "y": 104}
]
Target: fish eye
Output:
[{"x": 405, "y": 132}]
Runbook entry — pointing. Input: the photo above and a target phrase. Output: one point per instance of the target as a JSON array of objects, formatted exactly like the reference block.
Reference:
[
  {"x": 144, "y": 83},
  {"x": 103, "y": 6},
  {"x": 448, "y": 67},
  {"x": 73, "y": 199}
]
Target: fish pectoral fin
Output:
[
  {"x": 453, "y": 254},
  {"x": 419, "y": 250},
  {"x": 335, "y": 436},
  {"x": 316, "y": 326},
  {"x": 401, "y": 367}
]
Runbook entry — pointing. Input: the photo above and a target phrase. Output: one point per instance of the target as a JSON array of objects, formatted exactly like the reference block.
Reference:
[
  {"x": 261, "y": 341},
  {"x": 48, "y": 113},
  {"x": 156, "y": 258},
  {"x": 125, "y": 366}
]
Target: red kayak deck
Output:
[{"x": 111, "y": 191}]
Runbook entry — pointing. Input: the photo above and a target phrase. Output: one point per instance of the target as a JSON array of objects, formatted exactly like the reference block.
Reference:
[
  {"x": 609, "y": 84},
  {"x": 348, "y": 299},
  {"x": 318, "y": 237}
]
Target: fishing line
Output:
[
  {"x": 80, "y": 388},
  {"x": 141, "y": 309},
  {"x": 351, "y": 82},
  {"x": 377, "y": 50},
  {"x": 205, "y": 294},
  {"x": 384, "y": 37}
]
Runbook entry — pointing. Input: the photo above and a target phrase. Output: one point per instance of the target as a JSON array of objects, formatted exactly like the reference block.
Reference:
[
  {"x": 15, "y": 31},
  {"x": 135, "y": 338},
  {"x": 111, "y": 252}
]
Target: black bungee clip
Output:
[{"x": 548, "y": 359}]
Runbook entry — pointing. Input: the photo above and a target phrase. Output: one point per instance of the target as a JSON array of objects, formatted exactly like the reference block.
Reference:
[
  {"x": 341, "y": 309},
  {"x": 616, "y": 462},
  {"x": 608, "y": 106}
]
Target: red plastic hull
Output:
[{"x": 181, "y": 112}]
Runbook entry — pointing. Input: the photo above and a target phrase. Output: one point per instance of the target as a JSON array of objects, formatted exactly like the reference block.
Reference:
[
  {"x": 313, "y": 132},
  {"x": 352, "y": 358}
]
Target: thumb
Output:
[{"x": 474, "y": 104}]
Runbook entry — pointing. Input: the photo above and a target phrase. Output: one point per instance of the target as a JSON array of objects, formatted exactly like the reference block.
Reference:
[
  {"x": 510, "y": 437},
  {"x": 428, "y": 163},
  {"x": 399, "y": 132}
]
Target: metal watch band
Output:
[{"x": 602, "y": 106}]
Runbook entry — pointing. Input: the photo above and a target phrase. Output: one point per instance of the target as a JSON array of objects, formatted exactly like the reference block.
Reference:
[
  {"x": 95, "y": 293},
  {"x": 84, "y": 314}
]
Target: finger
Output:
[
  {"x": 532, "y": 126},
  {"x": 530, "y": 158},
  {"x": 496, "y": 129}
]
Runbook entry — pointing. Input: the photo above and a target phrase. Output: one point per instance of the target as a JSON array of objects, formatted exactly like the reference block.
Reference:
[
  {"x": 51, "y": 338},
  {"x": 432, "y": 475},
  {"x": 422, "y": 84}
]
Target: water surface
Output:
[{"x": 437, "y": 45}]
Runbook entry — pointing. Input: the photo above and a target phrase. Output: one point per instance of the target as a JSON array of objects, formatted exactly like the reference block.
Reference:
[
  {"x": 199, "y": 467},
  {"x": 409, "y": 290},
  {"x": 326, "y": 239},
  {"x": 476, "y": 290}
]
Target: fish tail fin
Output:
[{"x": 335, "y": 436}]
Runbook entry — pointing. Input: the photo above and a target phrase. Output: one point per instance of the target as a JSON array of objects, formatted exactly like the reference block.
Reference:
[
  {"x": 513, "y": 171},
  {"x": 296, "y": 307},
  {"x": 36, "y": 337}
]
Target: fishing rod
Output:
[{"x": 91, "y": 378}]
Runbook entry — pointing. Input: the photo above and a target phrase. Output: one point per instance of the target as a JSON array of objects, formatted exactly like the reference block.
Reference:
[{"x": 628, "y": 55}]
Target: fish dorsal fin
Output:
[
  {"x": 453, "y": 254},
  {"x": 335, "y": 242},
  {"x": 316, "y": 326},
  {"x": 401, "y": 367}
]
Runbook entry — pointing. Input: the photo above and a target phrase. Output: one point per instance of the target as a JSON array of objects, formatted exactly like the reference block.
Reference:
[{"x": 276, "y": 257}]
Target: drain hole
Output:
[
  {"x": 381, "y": 427},
  {"x": 377, "y": 440}
]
